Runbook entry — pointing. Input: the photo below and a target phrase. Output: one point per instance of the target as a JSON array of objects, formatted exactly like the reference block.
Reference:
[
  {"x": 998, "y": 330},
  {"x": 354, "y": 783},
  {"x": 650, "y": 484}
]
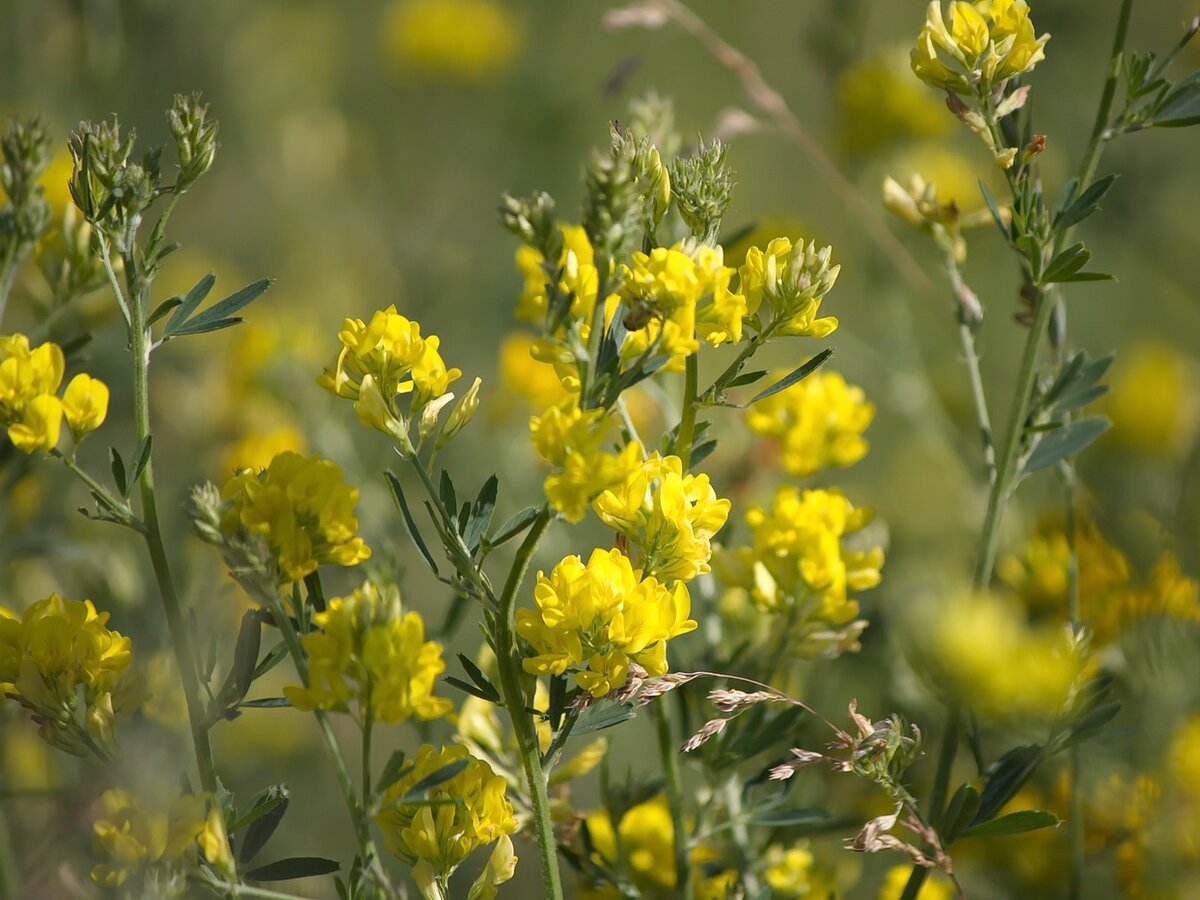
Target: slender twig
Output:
[
  {"x": 1075, "y": 825},
  {"x": 969, "y": 316},
  {"x": 772, "y": 104}
]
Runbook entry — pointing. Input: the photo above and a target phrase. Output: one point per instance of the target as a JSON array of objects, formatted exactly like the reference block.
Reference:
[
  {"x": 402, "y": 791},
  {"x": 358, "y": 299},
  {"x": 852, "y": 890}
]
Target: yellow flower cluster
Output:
[
  {"x": 684, "y": 291},
  {"x": 985, "y": 43},
  {"x": 30, "y": 407},
  {"x": 468, "y": 39},
  {"x": 304, "y": 510},
  {"x": 793, "y": 279},
  {"x": 819, "y": 421},
  {"x": 436, "y": 837},
  {"x": 570, "y": 439},
  {"x": 382, "y": 360},
  {"x": 135, "y": 839},
  {"x": 983, "y": 650},
  {"x": 646, "y": 838},
  {"x": 366, "y": 654},
  {"x": 789, "y": 872},
  {"x": 670, "y": 517},
  {"x": 797, "y": 566},
  {"x": 1110, "y": 598},
  {"x": 58, "y": 655},
  {"x": 580, "y": 279},
  {"x": 595, "y": 619}
]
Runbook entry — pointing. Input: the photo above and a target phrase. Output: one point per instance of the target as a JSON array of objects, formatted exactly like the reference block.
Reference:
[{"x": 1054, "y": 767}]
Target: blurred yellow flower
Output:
[
  {"x": 934, "y": 888},
  {"x": 1183, "y": 756},
  {"x": 256, "y": 449},
  {"x": 525, "y": 376},
  {"x": 879, "y": 103},
  {"x": 819, "y": 421},
  {"x": 365, "y": 656},
  {"x": 1152, "y": 401},
  {"x": 134, "y": 838},
  {"x": 789, "y": 871},
  {"x": 468, "y": 39},
  {"x": 302, "y": 507},
  {"x": 981, "y": 649},
  {"x": 594, "y": 619}
]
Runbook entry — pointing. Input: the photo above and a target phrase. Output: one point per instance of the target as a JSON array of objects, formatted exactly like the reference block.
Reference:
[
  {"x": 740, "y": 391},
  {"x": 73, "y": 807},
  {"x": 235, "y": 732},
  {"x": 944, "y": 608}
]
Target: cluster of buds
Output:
[
  {"x": 24, "y": 156},
  {"x": 793, "y": 279},
  {"x": 703, "y": 186},
  {"x": 195, "y": 137}
]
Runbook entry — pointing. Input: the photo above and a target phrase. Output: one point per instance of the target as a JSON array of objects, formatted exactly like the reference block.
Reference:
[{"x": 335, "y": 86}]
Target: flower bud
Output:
[
  {"x": 195, "y": 136},
  {"x": 85, "y": 405}
]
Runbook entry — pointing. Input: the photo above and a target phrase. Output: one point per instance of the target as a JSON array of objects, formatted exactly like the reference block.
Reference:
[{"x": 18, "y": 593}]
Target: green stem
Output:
[
  {"x": 8, "y": 273},
  {"x": 362, "y": 828},
  {"x": 1075, "y": 764},
  {"x": 1004, "y": 482},
  {"x": 367, "y": 728},
  {"x": 185, "y": 657},
  {"x": 508, "y": 664},
  {"x": 970, "y": 316},
  {"x": 120, "y": 507}
]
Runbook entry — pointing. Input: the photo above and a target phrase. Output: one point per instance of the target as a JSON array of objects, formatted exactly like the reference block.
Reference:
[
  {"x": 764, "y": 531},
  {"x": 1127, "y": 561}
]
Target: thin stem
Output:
[
  {"x": 772, "y": 104},
  {"x": 362, "y": 828},
  {"x": 970, "y": 316},
  {"x": 1075, "y": 825},
  {"x": 508, "y": 664},
  {"x": 8, "y": 272},
  {"x": 367, "y": 728},
  {"x": 117, "y": 506}
]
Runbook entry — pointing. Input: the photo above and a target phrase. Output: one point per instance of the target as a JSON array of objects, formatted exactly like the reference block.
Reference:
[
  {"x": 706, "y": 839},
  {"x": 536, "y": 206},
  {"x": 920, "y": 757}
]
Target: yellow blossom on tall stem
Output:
[
  {"x": 367, "y": 658},
  {"x": 792, "y": 279},
  {"x": 594, "y": 619},
  {"x": 304, "y": 510}
]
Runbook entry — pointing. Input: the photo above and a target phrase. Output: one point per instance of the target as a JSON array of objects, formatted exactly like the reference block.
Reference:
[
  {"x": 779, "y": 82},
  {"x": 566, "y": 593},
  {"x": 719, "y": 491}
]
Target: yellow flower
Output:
[
  {"x": 39, "y": 426},
  {"x": 366, "y": 655},
  {"x": 304, "y": 510},
  {"x": 789, "y": 872},
  {"x": 85, "y": 405},
  {"x": 256, "y": 449},
  {"x": 981, "y": 649},
  {"x": 29, "y": 380},
  {"x": 879, "y": 103},
  {"x": 57, "y": 651},
  {"x": 475, "y": 812},
  {"x": 594, "y": 619},
  {"x": 580, "y": 278},
  {"x": 133, "y": 838},
  {"x": 797, "y": 566},
  {"x": 569, "y": 438},
  {"x": 1183, "y": 757},
  {"x": 792, "y": 279},
  {"x": 986, "y": 42},
  {"x": 934, "y": 888},
  {"x": 527, "y": 377},
  {"x": 670, "y": 517},
  {"x": 383, "y": 359},
  {"x": 468, "y": 39},
  {"x": 1152, "y": 403},
  {"x": 819, "y": 421}
]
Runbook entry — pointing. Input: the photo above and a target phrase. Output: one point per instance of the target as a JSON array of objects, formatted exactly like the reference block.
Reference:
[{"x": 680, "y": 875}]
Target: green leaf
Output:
[
  {"x": 438, "y": 776},
  {"x": 265, "y": 821},
  {"x": 446, "y": 492},
  {"x": 392, "y": 772},
  {"x": 599, "y": 716},
  {"x": 118, "y": 471},
  {"x": 1014, "y": 823},
  {"x": 273, "y": 658},
  {"x": 191, "y": 300},
  {"x": 466, "y": 687},
  {"x": 141, "y": 457},
  {"x": 264, "y": 801},
  {"x": 245, "y": 653},
  {"x": 295, "y": 867},
  {"x": 219, "y": 315},
  {"x": 994, "y": 209},
  {"x": 781, "y": 818},
  {"x": 1065, "y": 441},
  {"x": 266, "y": 703},
  {"x": 746, "y": 378},
  {"x": 1091, "y": 723},
  {"x": 1086, "y": 204},
  {"x": 398, "y": 494},
  {"x": 1181, "y": 106},
  {"x": 476, "y": 674},
  {"x": 481, "y": 513},
  {"x": 1006, "y": 776},
  {"x": 701, "y": 452},
  {"x": 959, "y": 813},
  {"x": 1066, "y": 264},
  {"x": 794, "y": 376},
  {"x": 513, "y": 526},
  {"x": 162, "y": 309}
]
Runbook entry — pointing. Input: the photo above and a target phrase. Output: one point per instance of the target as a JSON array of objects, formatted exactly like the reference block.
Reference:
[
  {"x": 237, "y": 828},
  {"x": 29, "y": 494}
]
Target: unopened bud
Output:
[
  {"x": 195, "y": 136},
  {"x": 462, "y": 413}
]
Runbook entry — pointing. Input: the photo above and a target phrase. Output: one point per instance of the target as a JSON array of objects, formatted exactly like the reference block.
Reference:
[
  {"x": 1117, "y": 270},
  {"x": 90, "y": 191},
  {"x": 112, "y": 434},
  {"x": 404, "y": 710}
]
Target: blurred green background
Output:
[{"x": 364, "y": 148}]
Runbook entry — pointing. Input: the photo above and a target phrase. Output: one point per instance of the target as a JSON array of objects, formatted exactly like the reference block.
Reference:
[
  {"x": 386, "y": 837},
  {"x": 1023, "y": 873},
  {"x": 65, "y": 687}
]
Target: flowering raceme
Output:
[
  {"x": 383, "y": 359},
  {"x": 304, "y": 510},
  {"x": 570, "y": 438},
  {"x": 670, "y": 517},
  {"x": 474, "y": 811},
  {"x": 985, "y": 43},
  {"x": 30, "y": 408},
  {"x": 792, "y": 279},
  {"x": 136, "y": 839},
  {"x": 58, "y": 651},
  {"x": 819, "y": 421},
  {"x": 366, "y": 656},
  {"x": 797, "y": 566},
  {"x": 594, "y": 619}
]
